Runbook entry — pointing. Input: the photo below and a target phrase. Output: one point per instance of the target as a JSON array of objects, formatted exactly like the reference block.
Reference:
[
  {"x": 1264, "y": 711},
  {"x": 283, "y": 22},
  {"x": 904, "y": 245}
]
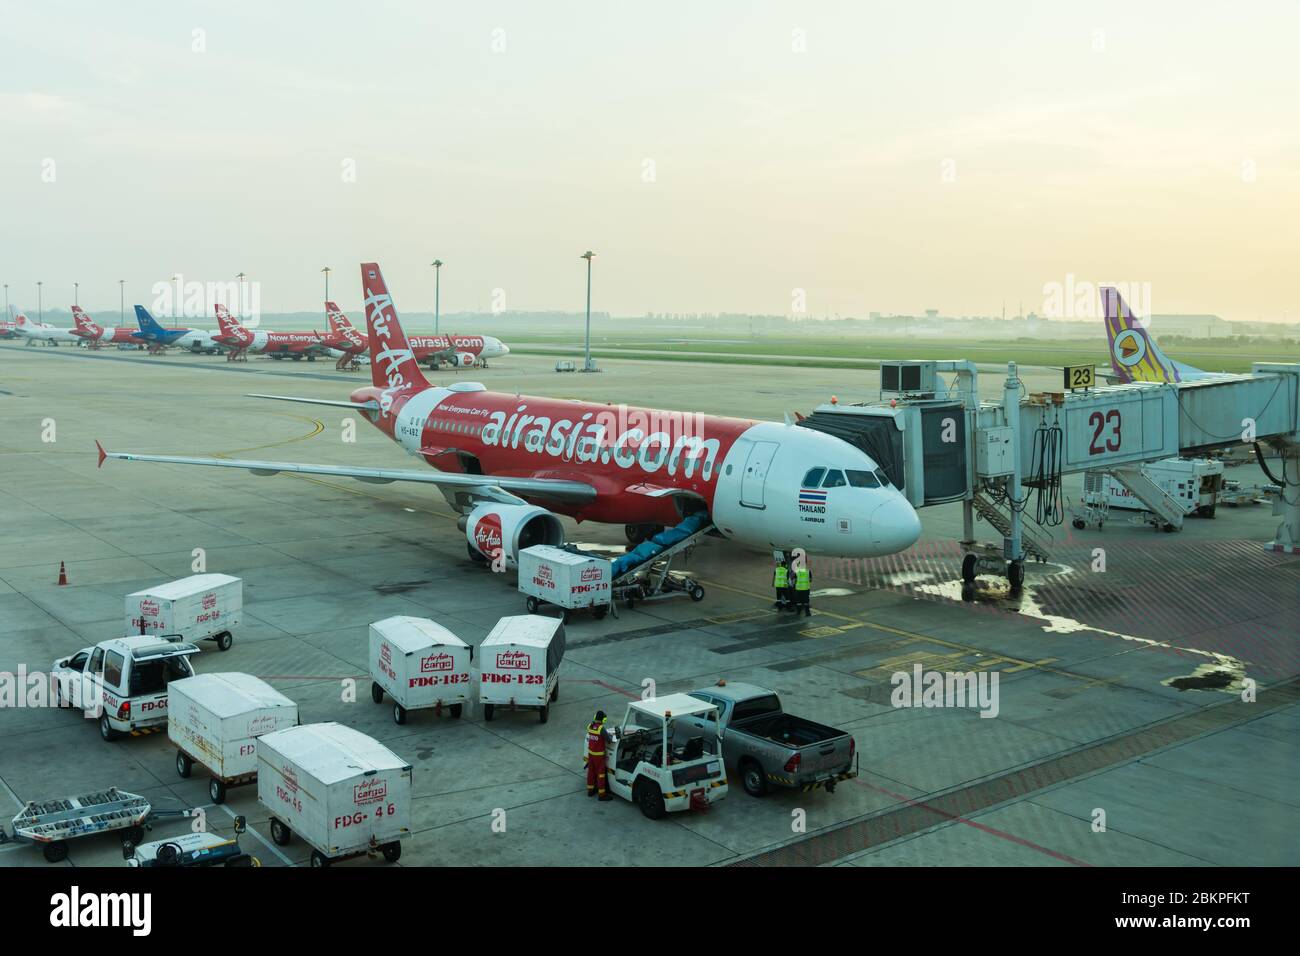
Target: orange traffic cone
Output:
[{"x": 63, "y": 574}]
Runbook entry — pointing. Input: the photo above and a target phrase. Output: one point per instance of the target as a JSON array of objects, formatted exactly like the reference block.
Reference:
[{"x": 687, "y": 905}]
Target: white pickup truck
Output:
[{"x": 123, "y": 682}]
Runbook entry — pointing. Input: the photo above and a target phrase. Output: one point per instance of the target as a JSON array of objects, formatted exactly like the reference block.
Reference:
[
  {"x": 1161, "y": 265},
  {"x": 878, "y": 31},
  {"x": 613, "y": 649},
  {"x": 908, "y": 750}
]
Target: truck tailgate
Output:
[{"x": 816, "y": 760}]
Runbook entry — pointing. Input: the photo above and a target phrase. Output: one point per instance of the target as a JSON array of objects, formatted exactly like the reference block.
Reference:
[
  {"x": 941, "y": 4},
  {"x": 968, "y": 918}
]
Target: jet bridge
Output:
[{"x": 1004, "y": 460}]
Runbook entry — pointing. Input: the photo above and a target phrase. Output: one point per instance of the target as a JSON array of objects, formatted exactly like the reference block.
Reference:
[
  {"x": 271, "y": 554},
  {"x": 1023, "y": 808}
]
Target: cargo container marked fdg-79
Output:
[{"x": 510, "y": 463}]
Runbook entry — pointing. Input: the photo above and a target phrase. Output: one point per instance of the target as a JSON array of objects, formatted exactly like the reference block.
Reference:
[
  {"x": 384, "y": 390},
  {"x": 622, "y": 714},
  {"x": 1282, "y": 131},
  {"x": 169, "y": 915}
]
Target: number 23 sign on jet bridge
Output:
[{"x": 1111, "y": 427}]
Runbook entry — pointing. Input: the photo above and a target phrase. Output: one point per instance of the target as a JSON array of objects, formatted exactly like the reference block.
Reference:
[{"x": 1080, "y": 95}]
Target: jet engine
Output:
[
  {"x": 492, "y": 528},
  {"x": 463, "y": 360}
]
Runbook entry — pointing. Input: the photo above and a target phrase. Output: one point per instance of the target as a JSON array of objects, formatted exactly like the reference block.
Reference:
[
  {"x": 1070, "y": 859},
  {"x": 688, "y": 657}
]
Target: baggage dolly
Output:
[{"x": 50, "y": 824}]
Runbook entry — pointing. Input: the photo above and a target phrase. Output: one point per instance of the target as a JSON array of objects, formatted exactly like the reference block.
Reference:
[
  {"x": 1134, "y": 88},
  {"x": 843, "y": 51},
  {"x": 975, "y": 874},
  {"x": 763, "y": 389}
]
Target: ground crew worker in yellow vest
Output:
[
  {"x": 781, "y": 581},
  {"x": 597, "y": 747},
  {"x": 802, "y": 589}
]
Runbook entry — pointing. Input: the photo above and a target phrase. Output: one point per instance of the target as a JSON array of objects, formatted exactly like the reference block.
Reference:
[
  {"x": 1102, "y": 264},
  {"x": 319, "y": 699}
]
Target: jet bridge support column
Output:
[
  {"x": 1287, "y": 505},
  {"x": 1013, "y": 545}
]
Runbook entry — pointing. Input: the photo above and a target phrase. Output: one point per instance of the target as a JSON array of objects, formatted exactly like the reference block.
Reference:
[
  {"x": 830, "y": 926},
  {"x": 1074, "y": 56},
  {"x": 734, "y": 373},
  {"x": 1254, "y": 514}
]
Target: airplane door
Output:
[{"x": 756, "y": 466}]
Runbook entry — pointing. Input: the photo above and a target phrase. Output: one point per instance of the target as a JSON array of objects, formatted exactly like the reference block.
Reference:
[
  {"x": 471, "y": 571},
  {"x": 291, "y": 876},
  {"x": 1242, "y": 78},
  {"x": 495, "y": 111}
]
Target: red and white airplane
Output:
[
  {"x": 97, "y": 336},
  {"x": 342, "y": 337},
  {"x": 8, "y": 327},
  {"x": 241, "y": 341},
  {"x": 510, "y": 463},
  {"x": 458, "y": 351}
]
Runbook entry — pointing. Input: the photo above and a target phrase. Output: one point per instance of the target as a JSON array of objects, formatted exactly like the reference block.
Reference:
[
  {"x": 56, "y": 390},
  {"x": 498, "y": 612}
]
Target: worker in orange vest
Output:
[{"x": 597, "y": 747}]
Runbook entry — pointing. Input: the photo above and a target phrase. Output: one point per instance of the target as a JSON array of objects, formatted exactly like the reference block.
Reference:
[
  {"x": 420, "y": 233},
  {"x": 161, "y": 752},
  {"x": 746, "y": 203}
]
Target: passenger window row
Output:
[{"x": 460, "y": 428}]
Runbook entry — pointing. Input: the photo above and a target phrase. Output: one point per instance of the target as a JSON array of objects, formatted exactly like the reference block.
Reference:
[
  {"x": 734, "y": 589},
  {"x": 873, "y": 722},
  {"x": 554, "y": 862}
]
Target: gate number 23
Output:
[{"x": 1100, "y": 422}]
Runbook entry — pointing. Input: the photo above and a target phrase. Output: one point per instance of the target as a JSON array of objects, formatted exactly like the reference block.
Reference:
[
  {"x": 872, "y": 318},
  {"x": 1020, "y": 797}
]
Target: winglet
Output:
[{"x": 102, "y": 454}]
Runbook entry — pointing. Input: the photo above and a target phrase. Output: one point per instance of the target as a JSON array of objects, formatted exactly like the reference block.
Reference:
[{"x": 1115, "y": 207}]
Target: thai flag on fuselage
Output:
[{"x": 810, "y": 496}]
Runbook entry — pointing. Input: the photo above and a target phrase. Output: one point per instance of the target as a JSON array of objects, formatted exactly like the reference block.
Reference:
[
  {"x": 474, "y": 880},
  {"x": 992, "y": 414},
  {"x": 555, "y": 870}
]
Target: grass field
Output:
[{"x": 1212, "y": 355}]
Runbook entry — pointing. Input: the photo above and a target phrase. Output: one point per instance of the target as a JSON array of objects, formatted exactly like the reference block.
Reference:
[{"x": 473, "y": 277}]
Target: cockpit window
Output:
[
  {"x": 883, "y": 478},
  {"x": 813, "y": 478},
  {"x": 834, "y": 479},
  {"x": 862, "y": 479}
]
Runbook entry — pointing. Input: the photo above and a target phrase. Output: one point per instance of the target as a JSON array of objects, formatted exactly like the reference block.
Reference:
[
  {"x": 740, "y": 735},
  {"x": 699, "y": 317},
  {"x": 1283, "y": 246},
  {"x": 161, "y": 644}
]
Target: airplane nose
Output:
[
  {"x": 895, "y": 525},
  {"x": 505, "y": 349}
]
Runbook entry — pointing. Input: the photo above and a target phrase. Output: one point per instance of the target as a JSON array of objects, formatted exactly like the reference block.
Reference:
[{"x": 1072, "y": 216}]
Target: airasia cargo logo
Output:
[
  {"x": 514, "y": 661},
  {"x": 209, "y": 602},
  {"x": 149, "y": 607},
  {"x": 370, "y": 791},
  {"x": 592, "y": 574},
  {"x": 290, "y": 777},
  {"x": 441, "y": 661}
]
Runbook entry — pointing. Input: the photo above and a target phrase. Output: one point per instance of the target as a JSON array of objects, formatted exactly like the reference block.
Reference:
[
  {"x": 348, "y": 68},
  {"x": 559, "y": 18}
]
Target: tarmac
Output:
[{"x": 1121, "y": 736}]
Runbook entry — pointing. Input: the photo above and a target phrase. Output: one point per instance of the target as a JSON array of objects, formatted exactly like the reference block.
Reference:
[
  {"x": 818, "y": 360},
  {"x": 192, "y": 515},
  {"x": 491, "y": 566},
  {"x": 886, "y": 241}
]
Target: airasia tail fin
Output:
[
  {"x": 84, "y": 324},
  {"x": 392, "y": 363},
  {"x": 340, "y": 325},
  {"x": 228, "y": 324}
]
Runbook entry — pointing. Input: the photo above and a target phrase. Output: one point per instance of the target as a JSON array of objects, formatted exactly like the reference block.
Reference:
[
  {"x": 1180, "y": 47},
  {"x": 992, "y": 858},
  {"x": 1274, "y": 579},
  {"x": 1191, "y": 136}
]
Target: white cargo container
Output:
[
  {"x": 215, "y": 719},
  {"x": 550, "y": 575},
  {"x": 420, "y": 664},
  {"x": 519, "y": 664},
  {"x": 344, "y": 793},
  {"x": 198, "y": 608}
]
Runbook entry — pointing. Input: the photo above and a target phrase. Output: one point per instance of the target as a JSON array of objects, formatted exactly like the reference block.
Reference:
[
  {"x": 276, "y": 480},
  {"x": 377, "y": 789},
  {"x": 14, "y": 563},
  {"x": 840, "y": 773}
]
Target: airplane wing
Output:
[
  {"x": 497, "y": 488},
  {"x": 363, "y": 406}
]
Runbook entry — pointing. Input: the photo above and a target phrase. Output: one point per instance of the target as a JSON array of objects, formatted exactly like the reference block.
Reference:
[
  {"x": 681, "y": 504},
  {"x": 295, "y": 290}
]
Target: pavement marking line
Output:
[
  {"x": 992, "y": 831},
  {"x": 320, "y": 427},
  {"x": 12, "y": 796},
  {"x": 912, "y": 635},
  {"x": 892, "y": 823},
  {"x": 260, "y": 839}
]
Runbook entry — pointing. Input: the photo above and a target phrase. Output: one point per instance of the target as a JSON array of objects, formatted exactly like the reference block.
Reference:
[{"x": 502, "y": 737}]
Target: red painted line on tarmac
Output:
[
  {"x": 609, "y": 687},
  {"x": 979, "y": 826}
]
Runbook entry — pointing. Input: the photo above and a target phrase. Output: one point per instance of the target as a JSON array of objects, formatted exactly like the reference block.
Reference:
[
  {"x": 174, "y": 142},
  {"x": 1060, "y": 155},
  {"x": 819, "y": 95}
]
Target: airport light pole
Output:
[
  {"x": 40, "y": 309},
  {"x": 437, "y": 291},
  {"x": 586, "y": 365},
  {"x": 176, "y": 306},
  {"x": 6, "y": 300},
  {"x": 121, "y": 302},
  {"x": 76, "y": 291},
  {"x": 239, "y": 313},
  {"x": 327, "y": 271}
]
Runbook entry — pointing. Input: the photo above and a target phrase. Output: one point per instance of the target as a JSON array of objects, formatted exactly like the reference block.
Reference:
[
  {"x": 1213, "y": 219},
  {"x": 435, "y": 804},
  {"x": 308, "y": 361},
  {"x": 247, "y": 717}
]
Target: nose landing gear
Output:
[{"x": 992, "y": 563}]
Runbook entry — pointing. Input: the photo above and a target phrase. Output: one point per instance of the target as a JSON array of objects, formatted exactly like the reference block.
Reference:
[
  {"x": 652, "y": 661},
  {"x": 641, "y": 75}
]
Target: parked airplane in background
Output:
[
  {"x": 8, "y": 328},
  {"x": 35, "y": 332},
  {"x": 97, "y": 336},
  {"x": 159, "y": 338},
  {"x": 458, "y": 351},
  {"x": 345, "y": 342},
  {"x": 510, "y": 463},
  {"x": 1134, "y": 355},
  {"x": 241, "y": 341}
]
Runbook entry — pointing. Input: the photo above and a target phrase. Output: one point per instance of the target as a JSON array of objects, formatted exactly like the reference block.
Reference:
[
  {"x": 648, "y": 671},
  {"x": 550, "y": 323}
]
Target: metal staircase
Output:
[
  {"x": 1037, "y": 541},
  {"x": 1154, "y": 498}
]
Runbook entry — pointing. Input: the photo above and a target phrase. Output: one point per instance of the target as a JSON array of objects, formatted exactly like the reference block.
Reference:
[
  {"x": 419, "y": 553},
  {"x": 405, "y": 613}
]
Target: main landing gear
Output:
[{"x": 636, "y": 533}]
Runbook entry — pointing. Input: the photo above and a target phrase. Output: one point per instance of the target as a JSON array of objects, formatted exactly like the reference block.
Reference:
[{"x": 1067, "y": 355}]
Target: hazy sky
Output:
[{"x": 716, "y": 156}]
